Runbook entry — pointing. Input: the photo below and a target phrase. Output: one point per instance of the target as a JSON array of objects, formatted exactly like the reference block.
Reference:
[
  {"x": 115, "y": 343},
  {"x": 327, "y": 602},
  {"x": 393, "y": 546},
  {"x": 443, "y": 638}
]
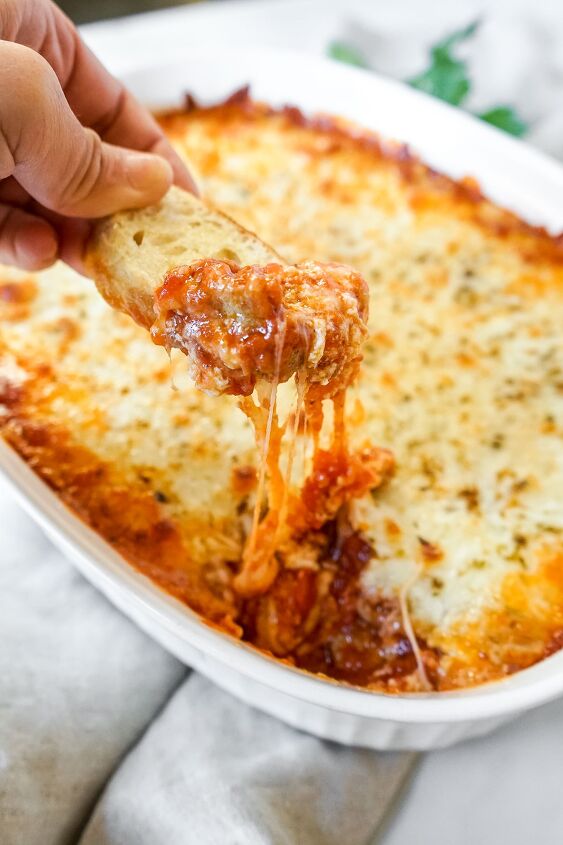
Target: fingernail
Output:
[
  {"x": 148, "y": 174},
  {"x": 182, "y": 177}
]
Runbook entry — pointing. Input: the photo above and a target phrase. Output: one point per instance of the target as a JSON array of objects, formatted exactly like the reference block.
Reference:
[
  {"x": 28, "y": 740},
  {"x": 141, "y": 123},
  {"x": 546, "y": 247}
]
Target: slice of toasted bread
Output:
[{"x": 130, "y": 252}]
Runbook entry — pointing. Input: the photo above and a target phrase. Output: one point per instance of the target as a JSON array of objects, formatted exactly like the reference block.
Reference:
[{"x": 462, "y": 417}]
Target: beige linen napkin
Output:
[
  {"x": 78, "y": 684},
  {"x": 213, "y": 770}
]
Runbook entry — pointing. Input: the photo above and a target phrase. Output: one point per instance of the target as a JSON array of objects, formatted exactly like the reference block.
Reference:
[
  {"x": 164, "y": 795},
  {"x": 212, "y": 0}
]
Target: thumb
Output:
[{"x": 62, "y": 165}]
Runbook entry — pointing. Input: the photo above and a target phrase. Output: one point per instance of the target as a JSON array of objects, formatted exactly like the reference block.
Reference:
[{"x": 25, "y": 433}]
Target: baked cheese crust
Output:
[{"x": 462, "y": 381}]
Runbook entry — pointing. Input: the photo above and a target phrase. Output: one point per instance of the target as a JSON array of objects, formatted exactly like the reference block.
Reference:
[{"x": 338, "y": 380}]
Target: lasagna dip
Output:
[{"x": 437, "y": 561}]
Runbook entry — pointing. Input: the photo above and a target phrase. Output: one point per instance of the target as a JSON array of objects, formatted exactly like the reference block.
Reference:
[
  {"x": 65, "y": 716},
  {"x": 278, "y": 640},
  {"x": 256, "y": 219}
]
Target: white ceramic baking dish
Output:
[{"x": 513, "y": 175}]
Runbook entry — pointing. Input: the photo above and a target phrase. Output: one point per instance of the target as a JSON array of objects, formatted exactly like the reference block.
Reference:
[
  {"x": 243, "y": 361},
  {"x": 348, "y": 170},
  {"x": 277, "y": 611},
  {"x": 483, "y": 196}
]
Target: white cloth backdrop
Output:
[{"x": 107, "y": 740}]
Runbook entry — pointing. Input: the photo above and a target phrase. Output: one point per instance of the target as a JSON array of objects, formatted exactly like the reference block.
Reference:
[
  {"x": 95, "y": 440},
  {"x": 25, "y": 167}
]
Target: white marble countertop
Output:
[{"x": 504, "y": 788}]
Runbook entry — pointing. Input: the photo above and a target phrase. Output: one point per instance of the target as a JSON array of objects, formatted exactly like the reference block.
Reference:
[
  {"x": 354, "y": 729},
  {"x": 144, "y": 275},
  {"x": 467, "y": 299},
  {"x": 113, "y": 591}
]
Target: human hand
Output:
[{"x": 74, "y": 143}]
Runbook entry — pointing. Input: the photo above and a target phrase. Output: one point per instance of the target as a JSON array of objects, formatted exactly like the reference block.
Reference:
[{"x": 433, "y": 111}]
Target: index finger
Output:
[{"x": 99, "y": 100}]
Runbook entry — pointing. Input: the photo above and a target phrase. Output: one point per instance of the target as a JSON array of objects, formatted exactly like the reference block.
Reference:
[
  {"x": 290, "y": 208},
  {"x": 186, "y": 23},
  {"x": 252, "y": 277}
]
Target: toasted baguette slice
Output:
[
  {"x": 203, "y": 284},
  {"x": 130, "y": 252}
]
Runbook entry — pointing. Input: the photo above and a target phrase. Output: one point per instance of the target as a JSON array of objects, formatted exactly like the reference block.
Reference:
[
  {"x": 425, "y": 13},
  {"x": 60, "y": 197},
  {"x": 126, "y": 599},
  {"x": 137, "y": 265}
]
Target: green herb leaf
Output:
[
  {"x": 506, "y": 118},
  {"x": 346, "y": 53},
  {"x": 457, "y": 37},
  {"x": 447, "y": 77}
]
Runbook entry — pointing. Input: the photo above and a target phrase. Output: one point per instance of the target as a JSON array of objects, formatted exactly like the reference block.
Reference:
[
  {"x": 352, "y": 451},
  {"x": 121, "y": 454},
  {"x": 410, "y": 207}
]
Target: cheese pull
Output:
[{"x": 203, "y": 284}]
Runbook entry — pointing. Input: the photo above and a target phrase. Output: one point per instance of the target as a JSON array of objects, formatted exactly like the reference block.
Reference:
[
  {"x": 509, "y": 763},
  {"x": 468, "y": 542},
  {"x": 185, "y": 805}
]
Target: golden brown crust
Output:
[
  {"x": 463, "y": 382},
  {"x": 128, "y": 515},
  {"x": 138, "y": 304},
  {"x": 429, "y": 188}
]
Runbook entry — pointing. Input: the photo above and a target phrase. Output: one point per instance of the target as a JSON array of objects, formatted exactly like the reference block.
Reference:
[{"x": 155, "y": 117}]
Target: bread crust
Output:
[{"x": 129, "y": 253}]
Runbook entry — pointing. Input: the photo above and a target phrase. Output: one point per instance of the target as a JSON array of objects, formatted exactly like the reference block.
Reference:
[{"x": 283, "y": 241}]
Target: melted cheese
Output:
[
  {"x": 246, "y": 330},
  {"x": 463, "y": 374},
  {"x": 462, "y": 381}
]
